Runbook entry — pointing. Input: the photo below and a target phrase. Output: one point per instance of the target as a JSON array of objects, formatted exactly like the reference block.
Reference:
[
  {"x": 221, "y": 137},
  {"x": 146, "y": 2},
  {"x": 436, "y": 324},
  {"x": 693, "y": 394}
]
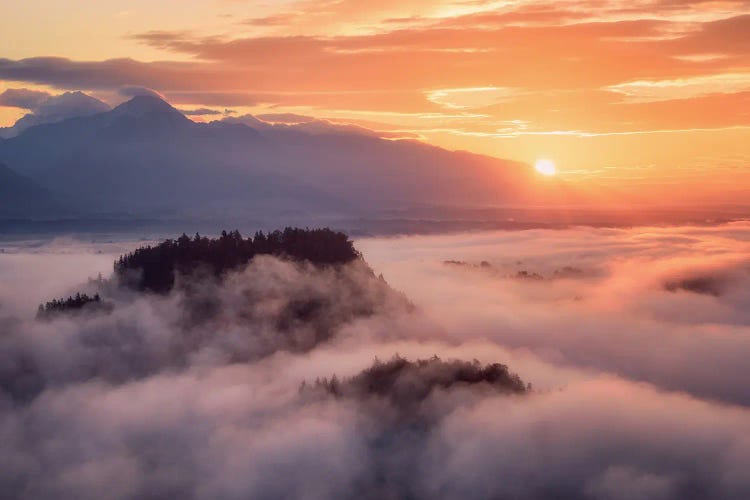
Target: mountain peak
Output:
[{"x": 145, "y": 104}]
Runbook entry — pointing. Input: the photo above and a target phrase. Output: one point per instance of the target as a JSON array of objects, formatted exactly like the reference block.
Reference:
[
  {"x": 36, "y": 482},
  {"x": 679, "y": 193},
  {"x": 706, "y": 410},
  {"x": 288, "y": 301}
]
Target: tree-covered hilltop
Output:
[
  {"x": 406, "y": 382},
  {"x": 154, "y": 268},
  {"x": 399, "y": 391},
  {"x": 72, "y": 303}
]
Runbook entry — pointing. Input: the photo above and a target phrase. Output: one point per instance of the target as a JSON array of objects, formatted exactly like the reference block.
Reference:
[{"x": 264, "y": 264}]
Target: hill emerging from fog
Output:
[
  {"x": 145, "y": 158},
  {"x": 230, "y": 298},
  {"x": 155, "y": 268}
]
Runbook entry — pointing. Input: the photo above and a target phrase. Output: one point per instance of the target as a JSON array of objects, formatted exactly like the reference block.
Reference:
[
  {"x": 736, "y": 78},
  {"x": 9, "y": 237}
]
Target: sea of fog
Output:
[{"x": 635, "y": 341}]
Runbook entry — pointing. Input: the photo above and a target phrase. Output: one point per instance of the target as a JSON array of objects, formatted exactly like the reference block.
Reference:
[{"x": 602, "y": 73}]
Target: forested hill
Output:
[{"x": 153, "y": 268}]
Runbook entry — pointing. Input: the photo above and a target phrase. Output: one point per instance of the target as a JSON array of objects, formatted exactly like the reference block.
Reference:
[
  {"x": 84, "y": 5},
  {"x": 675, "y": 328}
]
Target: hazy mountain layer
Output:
[
  {"x": 145, "y": 157},
  {"x": 20, "y": 196}
]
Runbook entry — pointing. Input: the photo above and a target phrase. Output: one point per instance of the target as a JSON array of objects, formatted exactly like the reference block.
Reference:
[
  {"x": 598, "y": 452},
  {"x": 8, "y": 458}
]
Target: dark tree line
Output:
[
  {"x": 406, "y": 383},
  {"x": 72, "y": 303},
  {"x": 154, "y": 268},
  {"x": 703, "y": 285}
]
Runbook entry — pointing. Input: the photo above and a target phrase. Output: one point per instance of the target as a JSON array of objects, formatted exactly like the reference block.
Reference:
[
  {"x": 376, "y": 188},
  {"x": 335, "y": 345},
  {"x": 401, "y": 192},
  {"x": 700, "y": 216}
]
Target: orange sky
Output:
[{"x": 643, "y": 95}]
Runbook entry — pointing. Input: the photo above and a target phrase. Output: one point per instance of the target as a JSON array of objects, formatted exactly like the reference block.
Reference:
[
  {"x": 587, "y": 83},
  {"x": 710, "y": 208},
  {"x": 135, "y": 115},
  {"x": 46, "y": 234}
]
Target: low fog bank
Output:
[
  {"x": 670, "y": 306},
  {"x": 632, "y": 341},
  {"x": 271, "y": 305},
  {"x": 35, "y": 270}
]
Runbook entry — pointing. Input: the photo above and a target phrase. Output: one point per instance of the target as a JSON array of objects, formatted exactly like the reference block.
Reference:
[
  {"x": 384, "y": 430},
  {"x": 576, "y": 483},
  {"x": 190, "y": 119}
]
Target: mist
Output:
[
  {"x": 633, "y": 342},
  {"x": 620, "y": 301}
]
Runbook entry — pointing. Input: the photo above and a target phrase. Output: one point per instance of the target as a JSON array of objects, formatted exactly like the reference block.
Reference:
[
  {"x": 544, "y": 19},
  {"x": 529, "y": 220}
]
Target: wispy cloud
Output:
[
  {"x": 471, "y": 97},
  {"x": 570, "y": 70},
  {"x": 683, "y": 88}
]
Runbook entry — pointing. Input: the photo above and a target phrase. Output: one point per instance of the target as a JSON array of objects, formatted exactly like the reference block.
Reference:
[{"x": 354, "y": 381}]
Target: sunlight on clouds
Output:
[
  {"x": 506, "y": 78},
  {"x": 471, "y": 97},
  {"x": 683, "y": 88},
  {"x": 467, "y": 8},
  {"x": 701, "y": 58}
]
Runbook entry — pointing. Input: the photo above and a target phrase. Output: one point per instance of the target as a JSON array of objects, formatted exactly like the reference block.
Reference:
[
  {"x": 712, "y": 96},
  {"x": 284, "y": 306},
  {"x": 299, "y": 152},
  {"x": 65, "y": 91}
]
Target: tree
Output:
[{"x": 157, "y": 265}]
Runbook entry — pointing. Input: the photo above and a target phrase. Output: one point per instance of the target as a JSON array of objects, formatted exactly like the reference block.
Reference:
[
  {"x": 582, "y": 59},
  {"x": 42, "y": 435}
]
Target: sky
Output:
[{"x": 645, "y": 94}]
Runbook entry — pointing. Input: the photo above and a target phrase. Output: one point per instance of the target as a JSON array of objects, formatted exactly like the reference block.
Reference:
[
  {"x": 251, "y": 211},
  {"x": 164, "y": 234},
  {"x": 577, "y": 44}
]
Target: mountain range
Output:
[
  {"x": 22, "y": 197},
  {"x": 146, "y": 158}
]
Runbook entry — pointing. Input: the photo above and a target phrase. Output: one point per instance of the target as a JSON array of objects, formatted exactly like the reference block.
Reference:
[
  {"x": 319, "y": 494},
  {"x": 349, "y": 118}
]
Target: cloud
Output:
[
  {"x": 130, "y": 91},
  {"x": 363, "y": 61},
  {"x": 599, "y": 422},
  {"x": 560, "y": 48},
  {"x": 286, "y": 122},
  {"x": 273, "y": 296},
  {"x": 50, "y": 269},
  {"x": 105, "y": 75},
  {"x": 666, "y": 90},
  {"x": 448, "y": 57},
  {"x": 661, "y": 305},
  {"x": 51, "y": 109},
  {"x": 273, "y": 20},
  {"x": 469, "y": 97},
  {"x": 289, "y": 118},
  {"x": 217, "y": 98},
  {"x": 581, "y": 443},
  {"x": 203, "y": 112},
  {"x": 324, "y": 17},
  {"x": 23, "y": 98}
]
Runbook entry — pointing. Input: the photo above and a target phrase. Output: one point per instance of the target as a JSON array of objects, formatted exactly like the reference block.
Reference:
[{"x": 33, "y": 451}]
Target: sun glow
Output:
[{"x": 546, "y": 167}]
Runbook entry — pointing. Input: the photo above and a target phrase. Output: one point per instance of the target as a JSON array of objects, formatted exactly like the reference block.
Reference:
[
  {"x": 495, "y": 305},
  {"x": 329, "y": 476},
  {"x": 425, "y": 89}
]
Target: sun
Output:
[{"x": 545, "y": 167}]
